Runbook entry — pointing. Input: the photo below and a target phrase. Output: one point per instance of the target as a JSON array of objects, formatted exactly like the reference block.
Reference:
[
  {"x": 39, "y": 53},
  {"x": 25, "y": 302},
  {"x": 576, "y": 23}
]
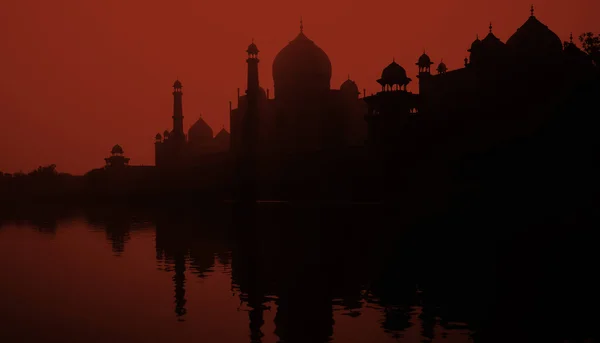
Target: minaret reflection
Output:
[
  {"x": 186, "y": 242},
  {"x": 171, "y": 247},
  {"x": 395, "y": 289},
  {"x": 310, "y": 259},
  {"x": 247, "y": 270},
  {"x": 298, "y": 272}
]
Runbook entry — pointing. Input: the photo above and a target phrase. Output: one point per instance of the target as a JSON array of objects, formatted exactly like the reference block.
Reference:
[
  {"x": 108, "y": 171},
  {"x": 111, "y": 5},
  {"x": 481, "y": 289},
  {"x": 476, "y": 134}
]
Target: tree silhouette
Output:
[
  {"x": 49, "y": 170},
  {"x": 591, "y": 45}
]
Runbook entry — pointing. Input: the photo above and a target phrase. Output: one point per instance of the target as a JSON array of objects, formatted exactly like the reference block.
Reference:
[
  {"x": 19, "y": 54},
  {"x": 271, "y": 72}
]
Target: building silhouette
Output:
[
  {"x": 305, "y": 114},
  {"x": 175, "y": 148},
  {"x": 309, "y": 141},
  {"x": 116, "y": 159}
]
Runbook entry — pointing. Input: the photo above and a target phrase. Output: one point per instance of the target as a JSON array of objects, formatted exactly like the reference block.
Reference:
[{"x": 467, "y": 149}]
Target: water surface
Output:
[{"x": 218, "y": 276}]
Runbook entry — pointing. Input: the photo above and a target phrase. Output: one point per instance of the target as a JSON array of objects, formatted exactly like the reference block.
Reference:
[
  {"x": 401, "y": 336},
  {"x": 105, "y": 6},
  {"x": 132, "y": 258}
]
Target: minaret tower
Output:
[
  {"x": 246, "y": 158},
  {"x": 250, "y": 121},
  {"x": 424, "y": 63},
  {"x": 177, "y": 132},
  {"x": 253, "y": 85}
]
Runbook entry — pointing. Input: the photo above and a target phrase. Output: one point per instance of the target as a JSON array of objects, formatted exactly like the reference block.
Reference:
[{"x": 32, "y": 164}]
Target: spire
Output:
[
  {"x": 477, "y": 36},
  {"x": 531, "y": 10},
  {"x": 393, "y": 59},
  {"x": 301, "y": 25},
  {"x": 490, "y": 27},
  {"x": 348, "y": 76},
  {"x": 571, "y": 37}
]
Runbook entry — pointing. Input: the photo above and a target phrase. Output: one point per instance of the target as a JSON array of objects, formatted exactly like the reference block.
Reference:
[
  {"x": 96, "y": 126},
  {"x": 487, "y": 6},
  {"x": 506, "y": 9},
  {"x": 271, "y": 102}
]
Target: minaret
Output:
[
  {"x": 177, "y": 111},
  {"x": 250, "y": 121},
  {"x": 249, "y": 136},
  {"x": 253, "y": 85},
  {"x": 424, "y": 63}
]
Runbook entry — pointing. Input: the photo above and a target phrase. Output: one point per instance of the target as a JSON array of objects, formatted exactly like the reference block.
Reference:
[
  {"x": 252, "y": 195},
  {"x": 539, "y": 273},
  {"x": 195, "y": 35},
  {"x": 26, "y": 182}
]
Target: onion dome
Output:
[
  {"x": 349, "y": 87},
  {"x": 177, "y": 84},
  {"x": 442, "y": 69},
  {"x": 475, "y": 45},
  {"x": 393, "y": 74},
  {"x": 222, "y": 139},
  {"x": 533, "y": 37},
  {"x": 572, "y": 50},
  {"x": 491, "y": 42},
  {"x": 424, "y": 61},
  {"x": 252, "y": 49},
  {"x": 301, "y": 65},
  {"x": 158, "y": 137},
  {"x": 166, "y": 134},
  {"x": 117, "y": 150},
  {"x": 222, "y": 136},
  {"x": 200, "y": 132}
]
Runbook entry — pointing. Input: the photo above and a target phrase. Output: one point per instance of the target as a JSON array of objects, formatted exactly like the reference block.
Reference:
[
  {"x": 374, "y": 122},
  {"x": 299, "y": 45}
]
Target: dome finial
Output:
[
  {"x": 477, "y": 36},
  {"x": 531, "y": 10},
  {"x": 348, "y": 76},
  {"x": 571, "y": 37},
  {"x": 301, "y": 25},
  {"x": 252, "y": 40},
  {"x": 490, "y": 27},
  {"x": 393, "y": 59}
]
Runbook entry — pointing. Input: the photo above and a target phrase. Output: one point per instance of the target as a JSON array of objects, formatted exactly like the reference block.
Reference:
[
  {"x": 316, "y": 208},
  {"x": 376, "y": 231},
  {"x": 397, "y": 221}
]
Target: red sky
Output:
[{"x": 79, "y": 76}]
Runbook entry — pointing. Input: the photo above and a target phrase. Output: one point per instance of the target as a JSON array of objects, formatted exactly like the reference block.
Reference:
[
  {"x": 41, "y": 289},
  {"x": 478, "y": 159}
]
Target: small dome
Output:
[
  {"x": 252, "y": 49},
  {"x": 572, "y": 50},
  {"x": 578, "y": 56},
  {"x": 177, "y": 84},
  {"x": 393, "y": 74},
  {"x": 535, "y": 37},
  {"x": 158, "y": 137},
  {"x": 442, "y": 68},
  {"x": 166, "y": 134},
  {"x": 223, "y": 134},
  {"x": 117, "y": 150},
  {"x": 491, "y": 41},
  {"x": 349, "y": 87},
  {"x": 475, "y": 45},
  {"x": 222, "y": 139},
  {"x": 424, "y": 61},
  {"x": 200, "y": 132}
]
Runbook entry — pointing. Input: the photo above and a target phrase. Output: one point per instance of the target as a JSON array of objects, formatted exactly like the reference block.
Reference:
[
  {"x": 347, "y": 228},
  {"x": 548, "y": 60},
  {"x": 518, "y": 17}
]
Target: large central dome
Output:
[
  {"x": 301, "y": 66},
  {"x": 535, "y": 38}
]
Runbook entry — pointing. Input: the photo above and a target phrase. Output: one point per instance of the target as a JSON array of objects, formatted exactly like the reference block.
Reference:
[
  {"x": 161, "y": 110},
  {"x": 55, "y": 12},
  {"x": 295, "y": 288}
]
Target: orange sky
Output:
[{"x": 79, "y": 76}]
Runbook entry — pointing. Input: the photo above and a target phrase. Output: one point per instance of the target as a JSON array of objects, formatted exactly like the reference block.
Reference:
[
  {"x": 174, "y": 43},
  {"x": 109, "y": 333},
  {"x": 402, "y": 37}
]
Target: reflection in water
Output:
[{"x": 298, "y": 272}]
